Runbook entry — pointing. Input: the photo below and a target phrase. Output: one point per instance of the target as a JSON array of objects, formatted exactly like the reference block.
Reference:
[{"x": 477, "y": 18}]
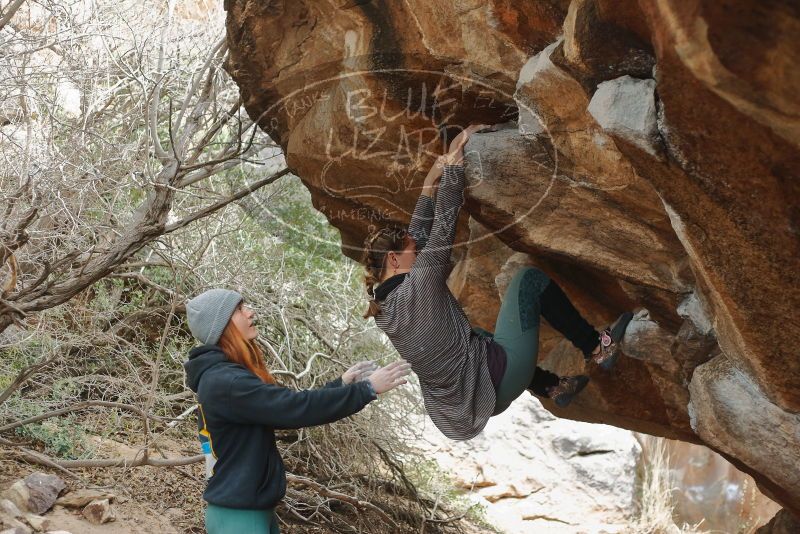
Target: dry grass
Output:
[
  {"x": 656, "y": 502},
  {"x": 659, "y": 510}
]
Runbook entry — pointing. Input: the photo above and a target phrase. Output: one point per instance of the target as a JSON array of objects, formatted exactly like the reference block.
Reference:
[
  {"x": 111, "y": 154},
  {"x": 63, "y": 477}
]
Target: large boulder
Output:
[{"x": 652, "y": 165}]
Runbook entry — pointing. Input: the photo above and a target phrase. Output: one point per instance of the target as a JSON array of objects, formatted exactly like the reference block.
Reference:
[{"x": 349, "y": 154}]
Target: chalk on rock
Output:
[{"x": 626, "y": 107}]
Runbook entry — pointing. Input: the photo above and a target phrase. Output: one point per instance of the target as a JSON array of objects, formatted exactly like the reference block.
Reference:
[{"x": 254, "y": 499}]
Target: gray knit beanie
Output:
[{"x": 208, "y": 313}]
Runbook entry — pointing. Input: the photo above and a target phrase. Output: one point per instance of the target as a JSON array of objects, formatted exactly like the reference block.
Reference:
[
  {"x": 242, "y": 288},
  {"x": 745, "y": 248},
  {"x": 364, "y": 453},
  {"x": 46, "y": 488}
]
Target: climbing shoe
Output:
[
  {"x": 609, "y": 342},
  {"x": 567, "y": 388}
]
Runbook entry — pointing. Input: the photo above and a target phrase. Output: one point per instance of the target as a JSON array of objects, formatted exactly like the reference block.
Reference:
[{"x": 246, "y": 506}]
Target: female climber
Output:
[
  {"x": 467, "y": 375},
  {"x": 241, "y": 405}
]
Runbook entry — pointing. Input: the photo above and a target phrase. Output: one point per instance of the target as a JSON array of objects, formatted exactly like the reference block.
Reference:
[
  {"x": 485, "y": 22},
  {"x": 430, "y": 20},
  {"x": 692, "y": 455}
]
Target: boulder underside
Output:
[{"x": 648, "y": 160}]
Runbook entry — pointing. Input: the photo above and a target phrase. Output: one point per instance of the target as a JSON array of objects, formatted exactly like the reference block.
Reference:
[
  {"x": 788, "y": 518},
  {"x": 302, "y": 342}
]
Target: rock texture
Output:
[
  {"x": 36, "y": 493},
  {"x": 81, "y": 497},
  {"x": 782, "y": 523},
  {"x": 534, "y": 472},
  {"x": 707, "y": 488},
  {"x": 98, "y": 511},
  {"x": 652, "y": 163}
]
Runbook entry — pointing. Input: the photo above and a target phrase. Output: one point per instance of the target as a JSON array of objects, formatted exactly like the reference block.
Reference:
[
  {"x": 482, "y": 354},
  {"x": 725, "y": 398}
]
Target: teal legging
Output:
[
  {"x": 222, "y": 520},
  {"x": 517, "y": 331}
]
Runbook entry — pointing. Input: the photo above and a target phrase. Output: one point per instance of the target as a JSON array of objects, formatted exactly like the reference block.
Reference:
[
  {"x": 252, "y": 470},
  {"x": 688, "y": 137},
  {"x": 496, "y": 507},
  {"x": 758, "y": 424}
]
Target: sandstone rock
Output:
[
  {"x": 695, "y": 311},
  {"x": 38, "y": 523},
  {"x": 81, "y": 497},
  {"x": 98, "y": 512},
  {"x": 627, "y": 107},
  {"x": 783, "y": 523},
  {"x": 597, "y": 47},
  {"x": 8, "y": 507},
  {"x": 695, "y": 222},
  {"x": 44, "y": 490},
  {"x": 731, "y": 413},
  {"x": 12, "y": 524},
  {"x": 645, "y": 340},
  {"x": 18, "y": 494}
]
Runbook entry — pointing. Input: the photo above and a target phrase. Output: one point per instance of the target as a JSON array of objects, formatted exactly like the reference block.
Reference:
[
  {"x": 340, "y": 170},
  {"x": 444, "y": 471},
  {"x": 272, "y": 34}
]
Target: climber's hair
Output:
[
  {"x": 376, "y": 246},
  {"x": 244, "y": 352}
]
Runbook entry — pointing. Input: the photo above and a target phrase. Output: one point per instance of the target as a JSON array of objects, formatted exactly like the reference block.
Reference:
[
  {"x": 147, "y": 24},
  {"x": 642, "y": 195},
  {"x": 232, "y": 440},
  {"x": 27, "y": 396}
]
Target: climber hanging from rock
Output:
[{"x": 468, "y": 375}]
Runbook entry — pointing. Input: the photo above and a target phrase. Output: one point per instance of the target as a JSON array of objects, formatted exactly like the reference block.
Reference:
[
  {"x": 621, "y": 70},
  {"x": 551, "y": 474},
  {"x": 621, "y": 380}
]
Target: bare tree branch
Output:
[
  {"x": 10, "y": 12},
  {"x": 250, "y": 188},
  {"x": 326, "y": 492},
  {"x": 77, "y": 407},
  {"x": 23, "y": 375}
]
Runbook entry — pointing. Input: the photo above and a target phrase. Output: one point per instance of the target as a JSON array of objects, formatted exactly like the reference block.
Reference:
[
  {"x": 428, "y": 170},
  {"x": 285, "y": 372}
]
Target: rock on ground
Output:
[
  {"x": 81, "y": 497},
  {"x": 36, "y": 493},
  {"x": 98, "y": 512}
]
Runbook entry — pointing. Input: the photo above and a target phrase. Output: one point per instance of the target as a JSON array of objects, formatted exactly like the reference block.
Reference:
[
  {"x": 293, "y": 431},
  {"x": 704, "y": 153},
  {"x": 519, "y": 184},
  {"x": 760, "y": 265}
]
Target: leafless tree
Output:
[
  {"x": 114, "y": 123},
  {"x": 124, "y": 147}
]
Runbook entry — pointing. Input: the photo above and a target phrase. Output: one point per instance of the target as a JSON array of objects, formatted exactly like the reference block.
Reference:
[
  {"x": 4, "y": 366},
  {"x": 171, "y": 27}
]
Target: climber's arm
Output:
[
  {"x": 422, "y": 218},
  {"x": 434, "y": 260}
]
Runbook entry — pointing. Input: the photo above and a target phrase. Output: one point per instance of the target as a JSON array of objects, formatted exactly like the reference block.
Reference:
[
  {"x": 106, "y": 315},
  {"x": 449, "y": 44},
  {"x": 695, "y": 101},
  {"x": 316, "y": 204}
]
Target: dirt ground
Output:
[
  {"x": 150, "y": 500},
  {"x": 161, "y": 500}
]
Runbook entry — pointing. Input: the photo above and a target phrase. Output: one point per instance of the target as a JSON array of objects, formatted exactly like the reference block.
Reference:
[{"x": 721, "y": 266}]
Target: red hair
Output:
[{"x": 244, "y": 352}]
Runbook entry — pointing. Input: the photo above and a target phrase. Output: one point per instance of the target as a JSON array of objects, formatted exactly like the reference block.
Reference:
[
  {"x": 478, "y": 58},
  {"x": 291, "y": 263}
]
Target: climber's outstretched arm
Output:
[
  {"x": 422, "y": 218},
  {"x": 433, "y": 262}
]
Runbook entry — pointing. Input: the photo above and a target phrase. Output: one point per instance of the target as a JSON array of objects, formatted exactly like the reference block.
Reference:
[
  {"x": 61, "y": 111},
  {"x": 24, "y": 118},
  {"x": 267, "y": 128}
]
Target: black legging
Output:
[{"x": 562, "y": 315}]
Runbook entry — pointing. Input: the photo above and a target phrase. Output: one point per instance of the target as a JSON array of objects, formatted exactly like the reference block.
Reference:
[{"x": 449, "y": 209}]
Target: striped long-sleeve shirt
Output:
[{"x": 428, "y": 327}]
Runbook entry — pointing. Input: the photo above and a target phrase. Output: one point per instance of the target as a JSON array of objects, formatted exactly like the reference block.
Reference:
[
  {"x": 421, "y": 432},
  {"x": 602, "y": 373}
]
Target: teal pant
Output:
[
  {"x": 222, "y": 520},
  {"x": 517, "y": 331}
]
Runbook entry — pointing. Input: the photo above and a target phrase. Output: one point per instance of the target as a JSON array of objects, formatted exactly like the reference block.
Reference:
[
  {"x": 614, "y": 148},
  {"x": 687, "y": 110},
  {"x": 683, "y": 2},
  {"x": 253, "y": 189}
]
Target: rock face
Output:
[
  {"x": 534, "y": 472},
  {"x": 782, "y": 523},
  {"x": 652, "y": 163}
]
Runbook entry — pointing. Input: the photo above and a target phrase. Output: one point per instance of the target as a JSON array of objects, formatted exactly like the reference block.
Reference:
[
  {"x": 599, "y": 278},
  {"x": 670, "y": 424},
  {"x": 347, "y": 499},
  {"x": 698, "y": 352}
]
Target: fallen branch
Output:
[
  {"x": 133, "y": 462},
  {"x": 324, "y": 491},
  {"x": 38, "y": 458},
  {"x": 80, "y": 406},
  {"x": 65, "y": 465}
]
